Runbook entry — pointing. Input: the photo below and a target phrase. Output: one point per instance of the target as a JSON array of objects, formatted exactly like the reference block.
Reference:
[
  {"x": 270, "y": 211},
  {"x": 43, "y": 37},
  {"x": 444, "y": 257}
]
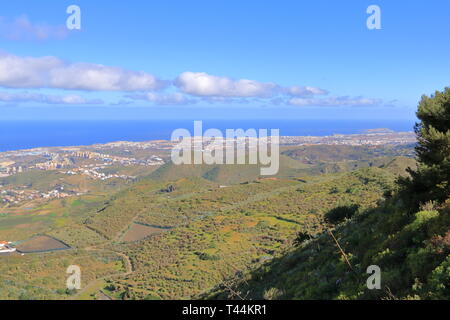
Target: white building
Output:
[{"x": 5, "y": 247}]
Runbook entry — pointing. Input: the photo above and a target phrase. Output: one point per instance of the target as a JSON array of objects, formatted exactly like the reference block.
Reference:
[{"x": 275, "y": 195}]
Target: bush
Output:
[
  {"x": 421, "y": 219},
  {"x": 339, "y": 214},
  {"x": 207, "y": 256},
  {"x": 301, "y": 237},
  {"x": 273, "y": 294}
]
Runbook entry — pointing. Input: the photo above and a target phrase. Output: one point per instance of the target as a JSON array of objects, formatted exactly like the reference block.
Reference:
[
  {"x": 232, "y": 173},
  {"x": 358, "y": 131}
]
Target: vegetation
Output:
[
  {"x": 203, "y": 231},
  {"x": 406, "y": 235},
  {"x": 339, "y": 214},
  {"x": 43, "y": 276},
  {"x": 432, "y": 179}
]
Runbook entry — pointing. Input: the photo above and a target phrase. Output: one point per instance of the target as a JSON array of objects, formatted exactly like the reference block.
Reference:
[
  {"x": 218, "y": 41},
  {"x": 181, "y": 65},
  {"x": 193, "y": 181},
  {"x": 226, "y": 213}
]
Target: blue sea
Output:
[{"x": 16, "y": 135}]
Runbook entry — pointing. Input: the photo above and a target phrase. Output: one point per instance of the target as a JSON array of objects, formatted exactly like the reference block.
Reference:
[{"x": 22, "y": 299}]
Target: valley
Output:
[{"x": 176, "y": 231}]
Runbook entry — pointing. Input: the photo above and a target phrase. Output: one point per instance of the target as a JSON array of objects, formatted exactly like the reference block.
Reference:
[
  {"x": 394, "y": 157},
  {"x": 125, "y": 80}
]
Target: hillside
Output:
[
  {"x": 182, "y": 231},
  {"x": 207, "y": 232},
  {"x": 220, "y": 231},
  {"x": 406, "y": 236},
  {"x": 298, "y": 161},
  {"x": 314, "y": 154},
  {"x": 411, "y": 250}
]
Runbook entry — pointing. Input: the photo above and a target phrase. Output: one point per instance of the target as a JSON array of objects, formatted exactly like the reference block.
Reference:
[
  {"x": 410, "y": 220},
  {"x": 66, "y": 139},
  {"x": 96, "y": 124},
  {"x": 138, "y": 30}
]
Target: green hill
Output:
[
  {"x": 406, "y": 236},
  {"x": 296, "y": 161},
  {"x": 412, "y": 252},
  {"x": 315, "y": 154}
]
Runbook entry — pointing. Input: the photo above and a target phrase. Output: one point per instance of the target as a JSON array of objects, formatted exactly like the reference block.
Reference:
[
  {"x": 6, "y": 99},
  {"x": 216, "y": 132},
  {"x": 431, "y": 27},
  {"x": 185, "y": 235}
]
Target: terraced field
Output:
[
  {"x": 41, "y": 244},
  {"x": 160, "y": 239},
  {"x": 246, "y": 225},
  {"x": 139, "y": 231}
]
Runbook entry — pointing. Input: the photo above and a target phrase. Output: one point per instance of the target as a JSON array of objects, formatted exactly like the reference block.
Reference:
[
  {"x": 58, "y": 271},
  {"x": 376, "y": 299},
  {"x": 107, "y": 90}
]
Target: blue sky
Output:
[{"x": 221, "y": 59}]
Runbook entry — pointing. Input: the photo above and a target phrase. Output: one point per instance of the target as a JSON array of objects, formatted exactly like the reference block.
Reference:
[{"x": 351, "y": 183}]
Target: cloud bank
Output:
[
  {"x": 162, "y": 99},
  {"x": 21, "y": 28},
  {"x": 334, "y": 102},
  {"x": 205, "y": 85},
  {"x": 44, "y": 98},
  {"x": 299, "y": 91},
  {"x": 52, "y": 72},
  {"x": 188, "y": 87}
]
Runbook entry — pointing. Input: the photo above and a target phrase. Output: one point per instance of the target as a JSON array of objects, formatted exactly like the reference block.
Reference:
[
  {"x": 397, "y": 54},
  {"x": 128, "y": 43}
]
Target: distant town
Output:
[{"x": 115, "y": 160}]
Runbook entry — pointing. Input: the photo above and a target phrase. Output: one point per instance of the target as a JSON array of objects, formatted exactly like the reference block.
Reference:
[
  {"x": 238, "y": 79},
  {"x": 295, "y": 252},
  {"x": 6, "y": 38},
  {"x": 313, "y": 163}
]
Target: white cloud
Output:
[
  {"x": 44, "y": 98},
  {"x": 52, "y": 72},
  {"x": 164, "y": 99},
  {"x": 21, "y": 28},
  {"x": 300, "y": 91},
  {"x": 87, "y": 76},
  {"x": 26, "y": 72},
  {"x": 190, "y": 87},
  {"x": 215, "y": 87},
  {"x": 334, "y": 102},
  {"x": 205, "y": 85}
]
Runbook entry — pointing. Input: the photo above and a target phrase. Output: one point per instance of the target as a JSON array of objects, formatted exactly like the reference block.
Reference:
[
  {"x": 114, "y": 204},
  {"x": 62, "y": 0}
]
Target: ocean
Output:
[{"x": 16, "y": 135}]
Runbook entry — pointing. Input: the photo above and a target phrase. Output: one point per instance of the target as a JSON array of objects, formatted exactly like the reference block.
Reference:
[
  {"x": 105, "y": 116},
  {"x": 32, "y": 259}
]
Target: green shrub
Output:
[{"x": 339, "y": 214}]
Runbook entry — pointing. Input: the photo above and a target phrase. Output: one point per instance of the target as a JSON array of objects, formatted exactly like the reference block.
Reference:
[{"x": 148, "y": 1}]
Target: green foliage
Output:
[
  {"x": 222, "y": 232},
  {"x": 302, "y": 236},
  {"x": 207, "y": 256},
  {"x": 273, "y": 294},
  {"x": 422, "y": 218},
  {"x": 407, "y": 235},
  {"x": 245, "y": 232},
  {"x": 43, "y": 276},
  {"x": 439, "y": 281},
  {"x": 431, "y": 181},
  {"x": 339, "y": 214}
]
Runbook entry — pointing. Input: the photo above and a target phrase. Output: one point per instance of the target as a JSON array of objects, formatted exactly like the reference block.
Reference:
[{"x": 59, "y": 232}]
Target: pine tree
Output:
[{"x": 430, "y": 182}]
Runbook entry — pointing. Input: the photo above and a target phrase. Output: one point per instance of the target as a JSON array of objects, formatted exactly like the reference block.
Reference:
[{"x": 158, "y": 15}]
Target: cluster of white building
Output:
[
  {"x": 6, "y": 247},
  {"x": 92, "y": 173}
]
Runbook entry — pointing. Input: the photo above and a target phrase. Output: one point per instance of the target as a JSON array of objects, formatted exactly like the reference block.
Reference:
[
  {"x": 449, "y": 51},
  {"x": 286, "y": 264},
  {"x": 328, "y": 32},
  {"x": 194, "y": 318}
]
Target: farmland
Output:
[
  {"x": 164, "y": 238},
  {"x": 139, "y": 231},
  {"x": 41, "y": 244}
]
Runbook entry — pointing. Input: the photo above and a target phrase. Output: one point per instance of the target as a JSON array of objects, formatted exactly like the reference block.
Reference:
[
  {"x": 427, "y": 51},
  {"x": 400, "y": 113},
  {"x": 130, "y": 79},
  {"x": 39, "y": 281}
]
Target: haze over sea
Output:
[{"x": 16, "y": 135}]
